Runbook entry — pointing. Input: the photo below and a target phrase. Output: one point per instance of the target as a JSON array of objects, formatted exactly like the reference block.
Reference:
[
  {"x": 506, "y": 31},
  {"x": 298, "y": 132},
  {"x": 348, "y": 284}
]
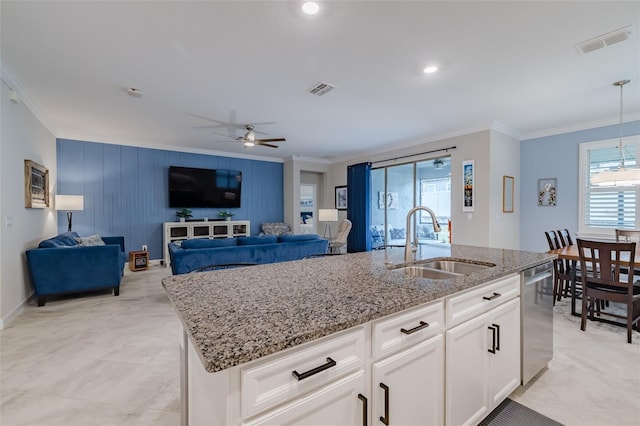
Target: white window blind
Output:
[{"x": 607, "y": 208}]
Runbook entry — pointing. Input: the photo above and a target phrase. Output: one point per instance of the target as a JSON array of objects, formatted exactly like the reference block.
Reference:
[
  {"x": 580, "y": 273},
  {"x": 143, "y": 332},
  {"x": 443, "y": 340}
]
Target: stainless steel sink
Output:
[
  {"x": 441, "y": 269},
  {"x": 432, "y": 274},
  {"x": 454, "y": 266}
]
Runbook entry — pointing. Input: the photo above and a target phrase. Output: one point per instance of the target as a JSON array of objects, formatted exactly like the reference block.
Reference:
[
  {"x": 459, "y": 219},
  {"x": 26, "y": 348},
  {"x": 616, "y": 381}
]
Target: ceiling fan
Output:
[{"x": 249, "y": 139}]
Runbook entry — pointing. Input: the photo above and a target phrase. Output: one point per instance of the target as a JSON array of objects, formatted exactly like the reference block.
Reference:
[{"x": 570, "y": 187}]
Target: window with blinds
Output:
[{"x": 607, "y": 208}]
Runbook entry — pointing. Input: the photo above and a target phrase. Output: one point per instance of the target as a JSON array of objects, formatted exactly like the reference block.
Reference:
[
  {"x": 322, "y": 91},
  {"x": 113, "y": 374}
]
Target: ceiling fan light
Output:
[{"x": 249, "y": 144}]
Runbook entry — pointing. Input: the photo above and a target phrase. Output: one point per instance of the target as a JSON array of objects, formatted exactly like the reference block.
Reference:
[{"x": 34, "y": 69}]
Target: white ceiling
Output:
[{"x": 512, "y": 63}]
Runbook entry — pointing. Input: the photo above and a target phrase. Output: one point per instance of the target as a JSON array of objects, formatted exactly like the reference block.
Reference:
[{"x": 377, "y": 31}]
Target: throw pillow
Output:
[
  {"x": 397, "y": 233},
  {"x": 92, "y": 240},
  {"x": 275, "y": 228},
  {"x": 66, "y": 239}
]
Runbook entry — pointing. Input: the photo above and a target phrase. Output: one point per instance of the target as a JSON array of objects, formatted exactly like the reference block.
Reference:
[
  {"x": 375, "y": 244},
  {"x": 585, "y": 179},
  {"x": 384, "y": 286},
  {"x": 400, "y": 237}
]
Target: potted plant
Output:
[
  {"x": 184, "y": 214},
  {"x": 225, "y": 214}
]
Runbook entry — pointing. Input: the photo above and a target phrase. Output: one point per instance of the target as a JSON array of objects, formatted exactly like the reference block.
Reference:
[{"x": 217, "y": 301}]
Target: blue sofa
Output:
[
  {"x": 197, "y": 253},
  {"x": 62, "y": 264}
]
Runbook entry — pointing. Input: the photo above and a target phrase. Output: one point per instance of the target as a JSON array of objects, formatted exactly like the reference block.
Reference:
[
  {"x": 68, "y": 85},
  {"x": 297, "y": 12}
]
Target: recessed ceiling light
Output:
[
  {"x": 430, "y": 69},
  {"x": 310, "y": 8}
]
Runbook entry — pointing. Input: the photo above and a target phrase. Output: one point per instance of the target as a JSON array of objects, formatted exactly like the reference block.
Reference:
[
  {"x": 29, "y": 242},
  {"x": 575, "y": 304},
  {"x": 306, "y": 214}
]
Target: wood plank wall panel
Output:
[{"x": 126, "y": 190}]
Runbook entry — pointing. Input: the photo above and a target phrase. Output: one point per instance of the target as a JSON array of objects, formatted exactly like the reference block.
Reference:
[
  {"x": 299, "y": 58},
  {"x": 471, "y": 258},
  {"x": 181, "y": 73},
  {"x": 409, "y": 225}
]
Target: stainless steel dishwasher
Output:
[{"x": 536, "y": 323}]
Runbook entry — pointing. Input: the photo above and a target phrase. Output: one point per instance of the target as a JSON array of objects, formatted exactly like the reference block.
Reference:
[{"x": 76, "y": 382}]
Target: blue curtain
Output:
[{"x": 359, "y": 207}]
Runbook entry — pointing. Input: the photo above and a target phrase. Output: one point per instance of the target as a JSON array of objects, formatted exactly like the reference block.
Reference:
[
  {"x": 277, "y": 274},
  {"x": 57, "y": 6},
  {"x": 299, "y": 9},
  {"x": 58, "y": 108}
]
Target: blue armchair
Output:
[{"x": 63, "y": 265}]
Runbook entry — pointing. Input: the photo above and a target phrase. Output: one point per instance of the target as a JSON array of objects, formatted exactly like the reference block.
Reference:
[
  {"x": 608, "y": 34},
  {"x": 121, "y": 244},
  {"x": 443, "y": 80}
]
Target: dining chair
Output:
[
  {"x": 562, "y": 276},
  {"x": 565, "y": 237},
  {"x": 603, "y": 279},
  {"x": 565, "y": 240},
  {"x": 558, "y": 266}
]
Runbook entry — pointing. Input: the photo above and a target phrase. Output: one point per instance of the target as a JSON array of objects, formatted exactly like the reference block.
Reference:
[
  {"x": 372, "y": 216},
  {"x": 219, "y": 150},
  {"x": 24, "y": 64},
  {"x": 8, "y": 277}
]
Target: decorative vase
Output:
[
  {"x": 228, "y": 218},
  {"x": 182, "y": 219}
]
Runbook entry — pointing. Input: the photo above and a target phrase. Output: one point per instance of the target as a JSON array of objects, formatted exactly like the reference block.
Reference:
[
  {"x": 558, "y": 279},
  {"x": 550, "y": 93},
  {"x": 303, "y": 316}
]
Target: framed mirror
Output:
[{"x": 507, "y": 194}]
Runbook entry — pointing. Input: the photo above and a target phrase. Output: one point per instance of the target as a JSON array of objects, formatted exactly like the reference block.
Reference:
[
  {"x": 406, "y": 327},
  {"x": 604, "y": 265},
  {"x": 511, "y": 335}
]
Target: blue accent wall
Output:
[
  {"x": 557, "y": 157},
  {"x": 126, "y": 190}
]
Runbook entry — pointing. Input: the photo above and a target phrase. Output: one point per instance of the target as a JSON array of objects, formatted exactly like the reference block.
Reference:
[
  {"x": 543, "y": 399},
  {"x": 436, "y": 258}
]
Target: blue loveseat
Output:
[
  {"x": 64, "y": 264},
  {"x": 197, "y": 253}
]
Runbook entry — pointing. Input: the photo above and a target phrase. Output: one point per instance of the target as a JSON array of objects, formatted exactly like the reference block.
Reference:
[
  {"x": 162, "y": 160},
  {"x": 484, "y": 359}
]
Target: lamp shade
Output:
[
  {"x": 69, "y": 202},
  {"x": 327, "y": 215}
]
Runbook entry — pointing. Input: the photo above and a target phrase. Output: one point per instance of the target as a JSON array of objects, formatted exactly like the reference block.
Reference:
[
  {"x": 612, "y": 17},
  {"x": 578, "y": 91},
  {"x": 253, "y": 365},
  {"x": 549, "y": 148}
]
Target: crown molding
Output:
[
  {"x": 581, "y": 126},
  {"x": 7, "y": 76},
  {"x": 177, "y": 148}
]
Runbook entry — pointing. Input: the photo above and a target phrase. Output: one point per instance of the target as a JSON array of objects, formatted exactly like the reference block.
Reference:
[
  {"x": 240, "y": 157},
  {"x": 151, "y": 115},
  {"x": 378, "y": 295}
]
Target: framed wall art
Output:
[
  {"x": 507, "y": 194},
  {"x": 390, "y": 200},
  {"x": 547, "y": 189},
  {"x": 36, "y": 185},
  {"x": 341, "y": 197},
  {"x": 468, "y": 181}
]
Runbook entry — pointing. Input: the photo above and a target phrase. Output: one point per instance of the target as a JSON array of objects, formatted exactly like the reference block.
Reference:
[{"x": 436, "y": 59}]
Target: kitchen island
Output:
[{"x": 238, "y": 324}]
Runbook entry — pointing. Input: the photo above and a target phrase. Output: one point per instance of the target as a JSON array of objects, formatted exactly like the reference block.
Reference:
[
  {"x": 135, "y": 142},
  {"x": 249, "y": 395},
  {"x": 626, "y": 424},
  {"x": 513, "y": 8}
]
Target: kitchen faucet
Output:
[{"x": 409, "y": 248}]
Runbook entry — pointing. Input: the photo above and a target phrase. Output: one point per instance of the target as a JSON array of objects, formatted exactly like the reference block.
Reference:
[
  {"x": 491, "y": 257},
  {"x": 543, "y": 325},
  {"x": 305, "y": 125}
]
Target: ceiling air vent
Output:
[
  {"x": 321, "y": 88},
  {"x": 604, "y": 40}
]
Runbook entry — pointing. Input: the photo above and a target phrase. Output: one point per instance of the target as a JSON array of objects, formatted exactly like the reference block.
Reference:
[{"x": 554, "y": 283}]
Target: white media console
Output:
[{"x": 179, "y": 231}]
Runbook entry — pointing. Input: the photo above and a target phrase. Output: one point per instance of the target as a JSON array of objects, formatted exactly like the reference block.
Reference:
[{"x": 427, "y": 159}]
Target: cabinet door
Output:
[
  {"x": 414, "y": 385},
  {"x": 504, "y": 365},
  {"x": 467, "y": 397},
  {"x": 336, "y": 404}
]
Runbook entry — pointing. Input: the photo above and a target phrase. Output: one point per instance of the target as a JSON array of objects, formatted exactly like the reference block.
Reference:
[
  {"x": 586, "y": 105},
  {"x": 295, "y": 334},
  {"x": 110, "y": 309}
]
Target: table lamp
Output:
[
  {"x": 327, "y": 215},
  {"x": 69, "y": 203}
]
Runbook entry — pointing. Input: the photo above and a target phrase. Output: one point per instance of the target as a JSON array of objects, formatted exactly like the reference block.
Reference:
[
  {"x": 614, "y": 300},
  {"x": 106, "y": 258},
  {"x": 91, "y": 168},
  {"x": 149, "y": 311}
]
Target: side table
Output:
[{"x": 138, "y": 260}]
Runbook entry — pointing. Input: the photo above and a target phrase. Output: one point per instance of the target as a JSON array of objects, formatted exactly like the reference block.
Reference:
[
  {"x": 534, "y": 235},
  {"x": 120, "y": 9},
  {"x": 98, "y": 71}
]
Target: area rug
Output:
[{"x": 511, "y": 413}]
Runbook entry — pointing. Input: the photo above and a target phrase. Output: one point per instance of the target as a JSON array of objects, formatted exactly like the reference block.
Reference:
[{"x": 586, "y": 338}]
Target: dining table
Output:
[{"x": 572, "y": 254}]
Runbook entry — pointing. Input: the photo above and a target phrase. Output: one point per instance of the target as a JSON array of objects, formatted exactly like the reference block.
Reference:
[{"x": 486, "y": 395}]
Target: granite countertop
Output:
[{"x": 237, "y": 315}]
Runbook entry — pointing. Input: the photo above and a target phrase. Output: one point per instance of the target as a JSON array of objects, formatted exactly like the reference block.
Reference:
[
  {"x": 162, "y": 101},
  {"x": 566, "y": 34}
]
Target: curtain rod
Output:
[{"x": 414, "y": 155}]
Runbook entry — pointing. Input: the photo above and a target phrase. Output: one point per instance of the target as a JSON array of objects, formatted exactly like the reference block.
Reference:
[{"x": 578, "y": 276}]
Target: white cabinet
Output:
[
  {"x": 341, "y": 403},
  {"x": 504, "y": 364},
  {"x": 482, "y": 363},
  {"x": 408, "y": 388},
  {"x": 180, "y": 231},
  {"x": 409, "y": 368}
]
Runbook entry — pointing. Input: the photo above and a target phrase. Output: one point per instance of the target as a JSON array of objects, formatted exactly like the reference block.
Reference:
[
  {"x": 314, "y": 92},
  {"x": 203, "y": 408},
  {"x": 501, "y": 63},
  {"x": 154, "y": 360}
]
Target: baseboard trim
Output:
[{"x": 4, "y": 322}]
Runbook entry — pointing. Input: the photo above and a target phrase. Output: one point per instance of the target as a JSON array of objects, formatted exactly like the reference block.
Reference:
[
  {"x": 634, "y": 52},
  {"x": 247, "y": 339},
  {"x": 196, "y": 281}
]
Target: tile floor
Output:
[{"x": 104, "y": 360}]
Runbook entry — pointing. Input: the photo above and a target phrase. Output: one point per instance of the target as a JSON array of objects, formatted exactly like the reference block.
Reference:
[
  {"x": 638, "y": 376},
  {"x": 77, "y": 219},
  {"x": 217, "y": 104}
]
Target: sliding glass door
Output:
[{"x": 397, "y": 189}]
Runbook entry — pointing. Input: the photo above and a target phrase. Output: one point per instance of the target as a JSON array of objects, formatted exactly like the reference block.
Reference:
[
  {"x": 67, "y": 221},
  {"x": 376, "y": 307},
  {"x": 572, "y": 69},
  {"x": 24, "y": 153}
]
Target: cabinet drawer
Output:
[
  {"x": 388, "y": 334},
  {"x": 336, "y": 404},
  {"x": 477, "y": 301},
  {"x": 272, "y": 382}
]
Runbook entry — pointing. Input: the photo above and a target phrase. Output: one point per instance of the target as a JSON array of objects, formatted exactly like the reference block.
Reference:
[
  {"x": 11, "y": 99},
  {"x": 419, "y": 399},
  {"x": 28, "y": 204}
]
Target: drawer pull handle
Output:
[
  {"x": 301, "y": 376},
  {"x": 416, "y": 328},
  {"x": 385, "y": 419},
  {"x": 365, "y": 409},
  {"x": 492, "y": 297}
]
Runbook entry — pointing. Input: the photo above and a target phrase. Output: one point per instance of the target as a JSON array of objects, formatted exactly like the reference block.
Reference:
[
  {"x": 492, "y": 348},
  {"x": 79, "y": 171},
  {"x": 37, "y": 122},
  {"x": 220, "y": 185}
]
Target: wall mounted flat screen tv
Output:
[{"x": 190, "y": 187}]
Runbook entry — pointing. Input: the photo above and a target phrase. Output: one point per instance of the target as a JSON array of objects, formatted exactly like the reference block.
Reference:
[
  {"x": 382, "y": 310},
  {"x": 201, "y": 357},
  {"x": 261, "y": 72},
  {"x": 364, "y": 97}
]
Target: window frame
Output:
[{"x": 584, "y": 230}]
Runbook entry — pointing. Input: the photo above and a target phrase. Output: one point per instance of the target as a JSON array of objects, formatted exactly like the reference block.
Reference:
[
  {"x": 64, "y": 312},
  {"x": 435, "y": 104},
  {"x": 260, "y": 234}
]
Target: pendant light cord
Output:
[{"x": 621, "y": 83}]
